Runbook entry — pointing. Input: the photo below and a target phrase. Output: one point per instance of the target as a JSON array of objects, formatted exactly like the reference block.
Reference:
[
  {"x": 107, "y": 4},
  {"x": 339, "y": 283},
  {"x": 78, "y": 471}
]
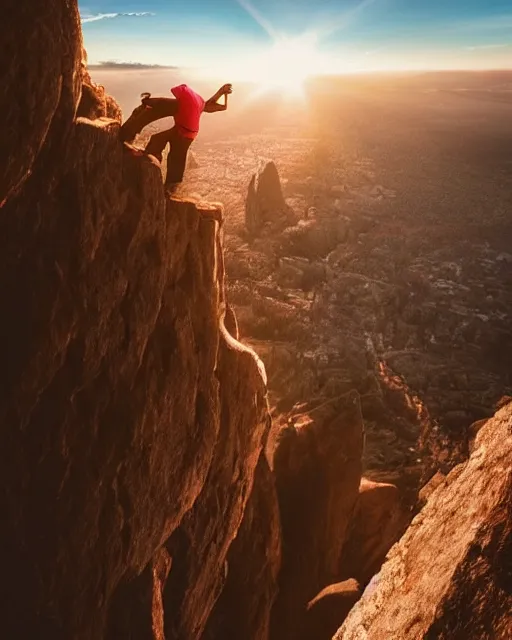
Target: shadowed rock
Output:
[
  {"x": 378, "y": 522},
  {"x": 40, "y": 84},
  {"x": 450, "y": 576},
  {"x": 211, "y": 525},
  {"x": 254, "y": 559},
  {"x": 328, "y": 609},
  {"x": 317, "y": 466},
  {"x": 265, "y": 202}
]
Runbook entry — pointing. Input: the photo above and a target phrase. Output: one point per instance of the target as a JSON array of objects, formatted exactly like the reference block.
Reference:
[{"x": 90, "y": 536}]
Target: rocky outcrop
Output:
[
  {"x": 95, "y": 101},
  {"x": 126, "y": 406},
  {"x": 265, "y": 203},
  {"x": 317, "y": 466},
  {"x": 450, "y": 576}
]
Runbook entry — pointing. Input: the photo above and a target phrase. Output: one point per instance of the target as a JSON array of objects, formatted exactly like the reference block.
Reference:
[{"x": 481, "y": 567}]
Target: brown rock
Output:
[
  {"x": 136, "y": 611},
  {"x": 428, "y": 489},
  {"x": 254, "y": 559},
  {"x": 450, "y": 577},
  {"x": 327, "y": 610},
  {"x": 378, "y": 523},
  {"x": 317, "y": 465}
]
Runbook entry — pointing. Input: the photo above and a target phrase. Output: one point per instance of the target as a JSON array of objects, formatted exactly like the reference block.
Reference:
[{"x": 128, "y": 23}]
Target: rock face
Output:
[
  {"x": 130, "y": 417},
  {"x": 40, "y": 86},
  {"x": 206, "y": 532},
  {"x": 317, "y": 466},
  {"x": 450, "y": 576}
]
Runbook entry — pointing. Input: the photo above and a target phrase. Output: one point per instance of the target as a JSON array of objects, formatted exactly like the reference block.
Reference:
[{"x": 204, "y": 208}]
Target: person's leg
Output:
[
  {"x": 177, "y": 158},
  {"x": 157, "y": 143},
  {"x": 152, "y": 109}
]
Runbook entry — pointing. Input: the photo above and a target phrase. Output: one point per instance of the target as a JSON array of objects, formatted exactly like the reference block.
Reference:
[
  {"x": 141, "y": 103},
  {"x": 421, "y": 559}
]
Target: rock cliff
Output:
[
  {"x": 450, "y": 577},
  {"x": 130, "y": 417}
]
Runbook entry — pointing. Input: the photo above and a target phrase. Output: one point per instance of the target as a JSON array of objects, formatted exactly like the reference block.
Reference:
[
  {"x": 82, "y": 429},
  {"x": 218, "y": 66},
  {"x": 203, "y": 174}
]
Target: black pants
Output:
[
  {"x": 177, "y": 158},
  {"x": 155, "y": 109}
]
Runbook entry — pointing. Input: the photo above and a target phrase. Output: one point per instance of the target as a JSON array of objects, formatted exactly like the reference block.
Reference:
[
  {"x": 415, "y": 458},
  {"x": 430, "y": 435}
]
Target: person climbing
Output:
[{"x": 186, "y": 108}]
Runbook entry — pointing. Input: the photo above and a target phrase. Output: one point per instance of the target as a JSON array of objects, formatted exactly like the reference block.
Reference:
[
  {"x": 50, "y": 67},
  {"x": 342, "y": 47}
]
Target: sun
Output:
[{"x": 287, "y": 65}]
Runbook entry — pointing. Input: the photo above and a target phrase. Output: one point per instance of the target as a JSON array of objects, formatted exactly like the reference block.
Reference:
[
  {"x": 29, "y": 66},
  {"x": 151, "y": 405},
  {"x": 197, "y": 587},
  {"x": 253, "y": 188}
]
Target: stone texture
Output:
[
  {"x": 40, "y": 84},
  {"x": 317, "y": 466},
  {"x": 450, "y": 576},
  {"x": 254, "y": 560}
]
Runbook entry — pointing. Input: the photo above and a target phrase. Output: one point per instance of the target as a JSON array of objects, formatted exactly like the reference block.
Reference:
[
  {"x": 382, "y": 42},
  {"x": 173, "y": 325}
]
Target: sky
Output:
[{"x": 328, "y": 36}]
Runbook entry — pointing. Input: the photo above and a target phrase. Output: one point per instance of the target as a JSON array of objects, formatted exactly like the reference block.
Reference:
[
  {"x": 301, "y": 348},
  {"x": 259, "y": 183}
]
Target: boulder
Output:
[
  {"x": 317, "y": 466},
  {"x": 450, "y": 576}
]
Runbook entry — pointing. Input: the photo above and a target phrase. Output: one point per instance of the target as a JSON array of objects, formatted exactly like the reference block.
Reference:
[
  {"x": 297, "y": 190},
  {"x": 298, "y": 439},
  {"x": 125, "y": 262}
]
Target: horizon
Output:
[{"x": 289, "y": 40}]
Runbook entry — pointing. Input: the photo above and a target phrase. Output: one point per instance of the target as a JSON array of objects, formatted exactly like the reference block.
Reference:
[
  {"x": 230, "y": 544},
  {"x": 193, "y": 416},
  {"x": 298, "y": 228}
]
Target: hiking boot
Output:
[{"x": 171, "y": 188}]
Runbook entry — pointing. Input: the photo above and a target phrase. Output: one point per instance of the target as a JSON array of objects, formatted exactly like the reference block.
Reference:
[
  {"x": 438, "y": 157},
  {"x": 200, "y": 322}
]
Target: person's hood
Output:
[{"x": 182, "y": 91}]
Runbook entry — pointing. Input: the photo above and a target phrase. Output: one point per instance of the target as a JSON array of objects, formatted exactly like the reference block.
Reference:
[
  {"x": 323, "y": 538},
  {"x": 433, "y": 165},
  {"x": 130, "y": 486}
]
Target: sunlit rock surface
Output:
[{"x": 450, "y": 576}]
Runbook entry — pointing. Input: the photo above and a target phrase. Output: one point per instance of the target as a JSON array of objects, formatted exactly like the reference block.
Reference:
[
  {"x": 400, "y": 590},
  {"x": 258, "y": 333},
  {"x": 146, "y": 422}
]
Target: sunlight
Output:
[{"x": 287, "y": 65}]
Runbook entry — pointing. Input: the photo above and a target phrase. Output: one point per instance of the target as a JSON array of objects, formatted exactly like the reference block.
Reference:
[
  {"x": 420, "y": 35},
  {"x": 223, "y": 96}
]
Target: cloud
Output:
[
  {"x": 114, "y": 64},
  {"x": 109, "y": 16},
  {"x": 480, "y": 47}
]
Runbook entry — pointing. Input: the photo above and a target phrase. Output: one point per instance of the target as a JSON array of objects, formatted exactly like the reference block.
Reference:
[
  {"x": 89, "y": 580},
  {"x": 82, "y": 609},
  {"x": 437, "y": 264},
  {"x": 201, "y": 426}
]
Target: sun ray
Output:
[
  {"x": 257, "y": 17},
  {"x": 344, "y": 20}
]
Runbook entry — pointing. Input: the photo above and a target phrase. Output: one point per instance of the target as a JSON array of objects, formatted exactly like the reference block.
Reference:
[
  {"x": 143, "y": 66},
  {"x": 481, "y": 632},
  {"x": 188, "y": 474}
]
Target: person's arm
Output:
[{"x": 212, "y": 105}]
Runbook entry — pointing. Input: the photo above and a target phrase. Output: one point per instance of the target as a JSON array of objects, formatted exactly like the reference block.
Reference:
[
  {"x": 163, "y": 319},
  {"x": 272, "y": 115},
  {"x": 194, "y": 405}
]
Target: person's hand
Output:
[{"x": 226, "y": 89}]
